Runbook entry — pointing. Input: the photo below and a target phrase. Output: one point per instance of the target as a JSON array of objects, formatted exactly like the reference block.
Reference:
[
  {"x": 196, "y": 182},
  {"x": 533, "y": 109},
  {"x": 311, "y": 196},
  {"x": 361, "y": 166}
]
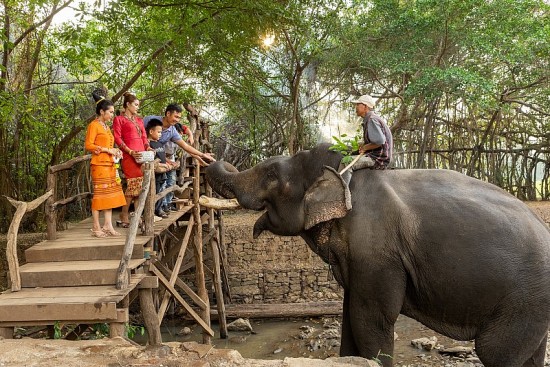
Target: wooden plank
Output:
[
  {"x": 100, "y": 292},
  {"x": 81, "y": 250},
  {"x": 72, "y": 273},
  {"x": 61, "y": 312}
]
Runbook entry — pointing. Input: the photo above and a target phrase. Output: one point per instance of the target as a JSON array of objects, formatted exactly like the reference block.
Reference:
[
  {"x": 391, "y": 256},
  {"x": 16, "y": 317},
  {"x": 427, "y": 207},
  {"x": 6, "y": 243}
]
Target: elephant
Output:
[{"x": 459, "y": 255}]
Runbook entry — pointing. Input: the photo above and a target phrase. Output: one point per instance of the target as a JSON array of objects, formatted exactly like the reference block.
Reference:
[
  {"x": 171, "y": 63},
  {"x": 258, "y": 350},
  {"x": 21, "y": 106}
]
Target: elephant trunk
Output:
[
  {"x": 220, "y": 176},
  {"x": 227, "y": 181}
]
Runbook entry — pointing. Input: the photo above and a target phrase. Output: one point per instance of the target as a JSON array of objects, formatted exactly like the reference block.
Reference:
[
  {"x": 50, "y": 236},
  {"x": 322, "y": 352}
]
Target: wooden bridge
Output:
[{"x": 74, "y": 278}]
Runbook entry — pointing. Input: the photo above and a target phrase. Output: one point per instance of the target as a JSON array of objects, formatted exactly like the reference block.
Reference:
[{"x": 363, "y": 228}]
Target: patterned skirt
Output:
[
  {"x": 133, "y": 186},
  {"x": 107, "y": 191}
]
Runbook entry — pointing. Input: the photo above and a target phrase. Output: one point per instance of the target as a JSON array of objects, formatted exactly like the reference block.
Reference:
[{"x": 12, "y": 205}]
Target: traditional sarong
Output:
[
  {"x": 133, "y": 186},
  {"x": 107, "y": 191}
]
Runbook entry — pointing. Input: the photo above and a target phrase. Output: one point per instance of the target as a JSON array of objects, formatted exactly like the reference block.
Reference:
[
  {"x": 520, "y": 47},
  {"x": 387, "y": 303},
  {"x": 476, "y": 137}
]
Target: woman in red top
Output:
[{"x": 131, "y": 138}]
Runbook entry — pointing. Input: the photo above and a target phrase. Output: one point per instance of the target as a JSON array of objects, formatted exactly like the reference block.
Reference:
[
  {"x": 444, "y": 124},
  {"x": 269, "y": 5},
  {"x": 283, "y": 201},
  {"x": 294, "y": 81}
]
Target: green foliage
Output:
[
  {"x": 57, "y": 330},
  {"x": 346, "y": 146},
  {"x": 100, "y": 331},
  {"x": 133, "y": 330}
]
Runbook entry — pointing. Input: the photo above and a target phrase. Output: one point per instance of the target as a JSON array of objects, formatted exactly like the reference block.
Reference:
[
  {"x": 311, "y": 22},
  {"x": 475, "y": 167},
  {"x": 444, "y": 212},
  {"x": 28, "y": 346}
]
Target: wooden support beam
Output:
[
  {"x": 217, "y": 280},
  {"x": 197, "y": 241},
  {"x": 149, "y": 281},
  {"x": 176, "y": 295},
  {"x": 83, "y": 195},
  {"x": 6, "y": 333},
  {"x": 223, "y": 254},
  {"x": 177, "y": 265},
  {"x": 180, "y": 283},
  {"x": 150, "y": 316}
]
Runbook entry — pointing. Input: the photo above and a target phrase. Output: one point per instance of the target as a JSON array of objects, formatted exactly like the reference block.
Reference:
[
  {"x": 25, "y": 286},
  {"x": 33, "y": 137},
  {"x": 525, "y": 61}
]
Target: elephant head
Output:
[{"x": 297, "y": 192}]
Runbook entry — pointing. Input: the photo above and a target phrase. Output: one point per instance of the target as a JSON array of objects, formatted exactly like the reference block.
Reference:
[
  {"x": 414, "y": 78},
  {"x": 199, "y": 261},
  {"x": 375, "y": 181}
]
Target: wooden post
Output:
[
  {"x": 150, "y": 316},
  {"x": 123, "y": 275},
  {"x": 217, "y": 275},
  {"x": 51, "y": 213},
  {"x": 197, "y": 241},
  {"x": 11, "y": 247},
  {"x": 6, "y": 333},
  {"x": 149, "y": 211},
  {"x": 223, "y": 254}
]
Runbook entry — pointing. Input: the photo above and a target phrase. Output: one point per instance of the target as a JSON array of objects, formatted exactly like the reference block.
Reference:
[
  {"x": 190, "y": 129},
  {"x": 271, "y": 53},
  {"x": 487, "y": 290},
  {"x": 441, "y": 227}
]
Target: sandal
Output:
[
  {"x": 111, "y": 232},
  {"x": 120, "y": 223},
  {"x": 98, "y": 234}
]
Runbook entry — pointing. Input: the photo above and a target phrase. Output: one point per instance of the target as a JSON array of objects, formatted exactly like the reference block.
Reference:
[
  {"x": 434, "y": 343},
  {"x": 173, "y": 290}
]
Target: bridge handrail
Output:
[{"x": 52, "y": 204}]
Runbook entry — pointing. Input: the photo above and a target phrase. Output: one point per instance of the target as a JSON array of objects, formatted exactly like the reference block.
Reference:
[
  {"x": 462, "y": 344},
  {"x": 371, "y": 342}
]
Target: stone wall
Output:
[{"x": 273, "y": 269}]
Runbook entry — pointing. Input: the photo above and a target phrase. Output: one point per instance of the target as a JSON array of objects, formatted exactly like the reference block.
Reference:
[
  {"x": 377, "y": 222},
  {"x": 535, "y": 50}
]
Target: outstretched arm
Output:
[{"x": 194, "y": 152}]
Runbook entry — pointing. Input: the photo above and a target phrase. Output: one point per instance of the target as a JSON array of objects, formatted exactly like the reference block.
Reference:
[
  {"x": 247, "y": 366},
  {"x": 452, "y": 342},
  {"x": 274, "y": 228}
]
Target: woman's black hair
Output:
[{"x": 101, "y": 104}]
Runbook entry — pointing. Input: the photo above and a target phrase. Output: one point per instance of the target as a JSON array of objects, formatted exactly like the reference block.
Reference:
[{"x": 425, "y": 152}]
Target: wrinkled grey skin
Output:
[{"x": 459, "y": 255}]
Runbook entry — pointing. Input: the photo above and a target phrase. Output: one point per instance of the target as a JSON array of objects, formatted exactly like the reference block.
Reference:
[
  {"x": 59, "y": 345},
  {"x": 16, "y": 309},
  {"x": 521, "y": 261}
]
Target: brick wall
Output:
[{"x": 273, "y": 269}]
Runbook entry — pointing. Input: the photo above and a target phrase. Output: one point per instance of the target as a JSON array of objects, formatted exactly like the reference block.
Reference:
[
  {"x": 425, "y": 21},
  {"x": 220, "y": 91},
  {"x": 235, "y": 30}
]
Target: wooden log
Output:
[
  {"x": 217, "y": 280},
  {"x": 11, "y": 247},
  {"x": 219, "y": 204},
  {"x": 51, "y": 214},
  {"x": 150, "y": 316},
  {"x": 197, "y": 241},
  {"x": 272, "y": 310},
  {"x": 122, "y": 280},
  {"x": 69, "y": 163},
  {"x": 174, "y": 188},
  {"x": 83, "y": 195}
]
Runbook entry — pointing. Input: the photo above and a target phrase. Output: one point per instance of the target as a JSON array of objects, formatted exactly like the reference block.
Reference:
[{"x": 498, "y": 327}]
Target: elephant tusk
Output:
[{"x": 352, "y": 163}]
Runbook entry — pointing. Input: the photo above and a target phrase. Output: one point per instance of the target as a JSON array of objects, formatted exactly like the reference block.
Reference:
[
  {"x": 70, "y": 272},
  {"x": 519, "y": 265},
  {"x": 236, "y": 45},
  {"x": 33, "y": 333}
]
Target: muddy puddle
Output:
[{"x": 313, "y": 338}]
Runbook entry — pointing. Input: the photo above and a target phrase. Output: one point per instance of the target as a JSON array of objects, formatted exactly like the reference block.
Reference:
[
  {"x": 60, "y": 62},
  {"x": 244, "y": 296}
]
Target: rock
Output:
[
  {"x": 425, "y": 343},
  {"x": 278, "y": 350},
  {"x": 457, "y": 350},
  {"x": 240, "y": 325},
  {"x": 185, "y": 331}
]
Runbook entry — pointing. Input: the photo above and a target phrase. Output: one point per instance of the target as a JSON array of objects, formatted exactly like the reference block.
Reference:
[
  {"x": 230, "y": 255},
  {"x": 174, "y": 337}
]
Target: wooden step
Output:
[
  {"x": 45, "y": 306},
  {"x": 72, "y": 273},
  {"x": 74, "y": 249}
]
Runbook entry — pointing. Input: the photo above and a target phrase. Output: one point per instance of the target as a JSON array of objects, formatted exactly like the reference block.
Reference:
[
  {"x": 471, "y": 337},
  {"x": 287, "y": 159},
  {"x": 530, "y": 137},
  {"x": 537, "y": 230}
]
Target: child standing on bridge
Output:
[{"x": 107, "y": 188}]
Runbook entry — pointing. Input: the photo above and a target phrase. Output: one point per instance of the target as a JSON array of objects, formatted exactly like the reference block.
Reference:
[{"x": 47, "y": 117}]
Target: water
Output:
[{"x": 280, "y": 338}]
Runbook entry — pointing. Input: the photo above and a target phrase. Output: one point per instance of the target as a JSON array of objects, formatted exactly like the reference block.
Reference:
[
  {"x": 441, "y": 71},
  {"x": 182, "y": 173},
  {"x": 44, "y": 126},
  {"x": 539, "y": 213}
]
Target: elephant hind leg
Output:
[{"x": 512, "y": 347}]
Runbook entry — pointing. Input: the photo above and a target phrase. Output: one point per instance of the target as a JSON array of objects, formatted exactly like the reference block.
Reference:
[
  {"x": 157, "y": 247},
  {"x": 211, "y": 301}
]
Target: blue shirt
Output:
[{"x": 170, "y": 134}]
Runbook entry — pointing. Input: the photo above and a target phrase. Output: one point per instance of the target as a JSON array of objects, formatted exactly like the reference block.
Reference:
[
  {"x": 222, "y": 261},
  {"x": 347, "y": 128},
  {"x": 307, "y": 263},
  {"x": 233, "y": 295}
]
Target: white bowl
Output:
[{"x": 146, "y": 156}]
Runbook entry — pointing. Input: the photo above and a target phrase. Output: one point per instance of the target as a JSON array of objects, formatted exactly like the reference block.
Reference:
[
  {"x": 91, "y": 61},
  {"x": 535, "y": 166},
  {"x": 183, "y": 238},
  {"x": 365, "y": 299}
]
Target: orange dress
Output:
[{"x": 107, "y": 191}]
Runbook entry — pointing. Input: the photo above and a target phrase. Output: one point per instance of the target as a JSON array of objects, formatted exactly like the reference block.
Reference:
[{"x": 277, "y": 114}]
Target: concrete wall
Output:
[{"x": 273, "y": 269}]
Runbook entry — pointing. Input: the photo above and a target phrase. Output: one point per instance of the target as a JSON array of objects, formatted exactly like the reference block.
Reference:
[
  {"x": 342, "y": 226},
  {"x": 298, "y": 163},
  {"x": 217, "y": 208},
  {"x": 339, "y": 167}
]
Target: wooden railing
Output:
[{"x": 52, "y": 204}]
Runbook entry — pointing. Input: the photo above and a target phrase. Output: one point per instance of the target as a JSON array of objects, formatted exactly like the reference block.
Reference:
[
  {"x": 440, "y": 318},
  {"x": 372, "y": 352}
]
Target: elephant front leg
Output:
[
  {"x": 347, "y": 343},
  {"x": 373, "y": 311}
]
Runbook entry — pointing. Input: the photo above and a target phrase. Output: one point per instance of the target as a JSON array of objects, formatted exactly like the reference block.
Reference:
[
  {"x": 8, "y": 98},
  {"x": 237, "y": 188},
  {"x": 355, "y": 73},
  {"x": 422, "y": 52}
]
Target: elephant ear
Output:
[{"x": 328, "y": 198}]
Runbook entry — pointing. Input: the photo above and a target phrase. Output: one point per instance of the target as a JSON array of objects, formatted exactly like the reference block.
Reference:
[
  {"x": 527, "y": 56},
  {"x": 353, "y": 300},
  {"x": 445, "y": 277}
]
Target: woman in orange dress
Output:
[
  {"x": 131, "y": 138},
  {"x": 107, "y": 189}
]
